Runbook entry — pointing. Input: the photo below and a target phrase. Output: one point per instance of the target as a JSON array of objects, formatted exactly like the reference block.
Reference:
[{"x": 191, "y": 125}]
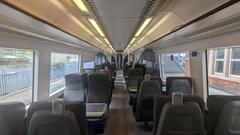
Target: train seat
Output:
[
  {"x": 12, "y": 118},
  {"x": 144, "y": 107},
  {"x": 56, "y": 121},
  {"x": 183, "y": 84},
  {"x": 229, "y": 120},
  {"x": 77, "y": 107},
  {"x": 98, "y": 88},
  {"x": 215, "y": 103},
  {"x": 135, "y": 76},
  {"x": 75, "y": 88},
  {"x": 160, "y": 101},
  {"x": 179, "y": 118}
]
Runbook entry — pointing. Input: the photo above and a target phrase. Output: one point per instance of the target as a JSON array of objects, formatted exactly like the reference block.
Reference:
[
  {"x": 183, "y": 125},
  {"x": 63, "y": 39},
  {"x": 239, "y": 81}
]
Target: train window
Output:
[
  {"x": 16, "y": 75},
  {"x": 224, "y": 71},
  {"x": 61, "y": 64},
  {"x": 100, "y": 58},
  {"x": 175, "y": 64},
  {"x": 88, "y": 66}
]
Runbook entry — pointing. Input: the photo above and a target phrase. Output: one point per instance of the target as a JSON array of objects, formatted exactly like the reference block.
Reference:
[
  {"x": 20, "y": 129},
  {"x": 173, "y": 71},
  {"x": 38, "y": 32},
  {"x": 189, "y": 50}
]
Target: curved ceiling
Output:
[
  {"x": 67, "y": 16},
  {"x": 169, "y": 15},
  {"x": 120, "y": 18}
]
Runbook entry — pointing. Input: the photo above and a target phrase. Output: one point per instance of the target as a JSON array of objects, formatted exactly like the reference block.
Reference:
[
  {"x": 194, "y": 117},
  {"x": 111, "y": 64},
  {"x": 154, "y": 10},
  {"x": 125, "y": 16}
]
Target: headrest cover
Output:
[
  {"x": 58, "y": 106},
  {"x": 177, "y": 98},
  {"x": 147, "y": 77}
]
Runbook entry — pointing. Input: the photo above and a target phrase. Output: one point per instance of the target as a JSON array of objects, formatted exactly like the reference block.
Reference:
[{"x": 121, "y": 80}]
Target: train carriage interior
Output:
[{"x": 119, "y": 67}]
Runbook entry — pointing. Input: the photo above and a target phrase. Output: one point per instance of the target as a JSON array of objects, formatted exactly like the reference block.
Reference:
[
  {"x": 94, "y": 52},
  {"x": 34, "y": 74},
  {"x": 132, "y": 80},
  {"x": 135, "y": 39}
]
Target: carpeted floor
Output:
[{"x": 120, "y": 120}]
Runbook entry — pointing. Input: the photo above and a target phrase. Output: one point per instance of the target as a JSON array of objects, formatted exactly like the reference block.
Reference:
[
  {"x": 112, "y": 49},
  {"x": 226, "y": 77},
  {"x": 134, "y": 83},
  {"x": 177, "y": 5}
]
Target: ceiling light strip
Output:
[
  {"x": 143, "y": 26},
  {"x": 95, "y": 25},
  {"x": 81, "y": 5}
]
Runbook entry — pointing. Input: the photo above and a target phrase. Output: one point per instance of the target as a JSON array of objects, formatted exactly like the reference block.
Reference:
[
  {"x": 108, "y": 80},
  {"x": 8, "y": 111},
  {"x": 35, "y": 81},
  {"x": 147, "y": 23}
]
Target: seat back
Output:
[
  {"x": 75, "y": 87},
  {"x": 98, "y": 88},
  {"x": 78, "y": 108},
  {"x": 74, "y": 81},
  {"x": 229, "y": 120},
  {"x": 12, "y": 118},
  {"x": 135, "y": 73},
  {"x": 215, "y": 104},
  {"x": 140, "y": 66},
  {"x": 148, "y": 89},
  {"x": 160, "y": 101},
  {"x": 135, "y": 76},
  {"x": 183, "y": 119},
  {"x": 44, "y": 122},
  {"x": 183, "y": 84}
]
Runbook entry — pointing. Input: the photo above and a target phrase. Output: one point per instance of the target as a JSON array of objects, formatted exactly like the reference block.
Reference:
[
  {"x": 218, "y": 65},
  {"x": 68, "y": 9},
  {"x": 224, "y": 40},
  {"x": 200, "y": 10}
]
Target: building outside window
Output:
[
  {"x": 235, "y": 61},
  {"x": 219, "y": 60},
  {"x": 224, "y": 71},
  {"x": 16, "y": 75},
  {"x": 62, "y": 64}
]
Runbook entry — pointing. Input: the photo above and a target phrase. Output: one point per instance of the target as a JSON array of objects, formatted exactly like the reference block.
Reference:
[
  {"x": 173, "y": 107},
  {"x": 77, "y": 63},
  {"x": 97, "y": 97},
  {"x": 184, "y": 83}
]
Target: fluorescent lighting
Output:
[
  {"x": 132, "y": 40},
  {"x": 81, "y": 5},
  {"x": 159, "y": 23},
  {"x": 80, "y": 24},
  {"x": 106, "y": 40},
  {"x": 98, "y": 40},
  {"x": 143, "y": 26},
  {"x": 95, "y": 25}
]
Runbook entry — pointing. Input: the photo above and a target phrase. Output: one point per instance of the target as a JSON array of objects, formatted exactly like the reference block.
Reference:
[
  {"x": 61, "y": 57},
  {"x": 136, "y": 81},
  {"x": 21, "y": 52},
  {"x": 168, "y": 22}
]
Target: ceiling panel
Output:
[{"x": 119, "y": 18}]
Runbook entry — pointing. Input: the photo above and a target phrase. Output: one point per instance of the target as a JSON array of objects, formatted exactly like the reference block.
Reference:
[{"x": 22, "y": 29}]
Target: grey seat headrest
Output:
[
  {"x": 177, "y": 98},
  {"x": 58, "y": 106},
  {"x": 43, "y": 122},
  {"x": 147, "y": 77}
]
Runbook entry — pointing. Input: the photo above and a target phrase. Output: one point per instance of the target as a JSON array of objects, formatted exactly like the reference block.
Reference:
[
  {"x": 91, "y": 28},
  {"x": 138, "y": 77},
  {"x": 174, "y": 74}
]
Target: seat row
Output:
[
  {"x": 141, "y": 92},
  {"x": 191, "y": 117},
  {"x": 135, "y": 76},
  {"x": 94, "y": 87}
]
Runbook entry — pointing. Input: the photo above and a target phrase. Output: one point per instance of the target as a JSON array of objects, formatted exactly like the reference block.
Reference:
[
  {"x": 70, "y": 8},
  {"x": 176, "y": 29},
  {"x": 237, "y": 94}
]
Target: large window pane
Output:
[
  {"x": 175, "y": 64},
  {"x": 224, "y": 83},
  {"x": 236, "y": 53},
  {"x": 219, "y": 66},
  {"x": 220, "y": 53},
  {"x": 61, "y": 64},
  {"x": 235, "y": 61},
  {"x": 16, "y": 75},
  {"x": 219, "y": 60},
  {"x": 235, "y": 68}
]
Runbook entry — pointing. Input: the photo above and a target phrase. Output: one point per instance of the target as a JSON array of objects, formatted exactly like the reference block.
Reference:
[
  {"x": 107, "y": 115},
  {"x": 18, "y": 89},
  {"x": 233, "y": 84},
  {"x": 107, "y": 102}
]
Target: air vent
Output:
[
  {"x": 94, "y": 11},
  {"x": 92, "y": 7},
  {"x": 147, "y": 8}
]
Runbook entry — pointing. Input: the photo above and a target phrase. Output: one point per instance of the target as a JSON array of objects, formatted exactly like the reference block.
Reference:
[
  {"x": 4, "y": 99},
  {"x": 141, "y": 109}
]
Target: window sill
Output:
[
  {"x": 228, "y": 78},
  {"x": 57, "y": 93}
]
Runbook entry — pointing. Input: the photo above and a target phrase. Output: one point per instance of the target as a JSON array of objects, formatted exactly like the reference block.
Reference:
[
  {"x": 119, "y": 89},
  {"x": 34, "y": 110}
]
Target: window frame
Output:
[
  {"x": 52, "y": 94},
  {"x": 230, "y": 64},
  {"x": 221, "y": 60}
]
